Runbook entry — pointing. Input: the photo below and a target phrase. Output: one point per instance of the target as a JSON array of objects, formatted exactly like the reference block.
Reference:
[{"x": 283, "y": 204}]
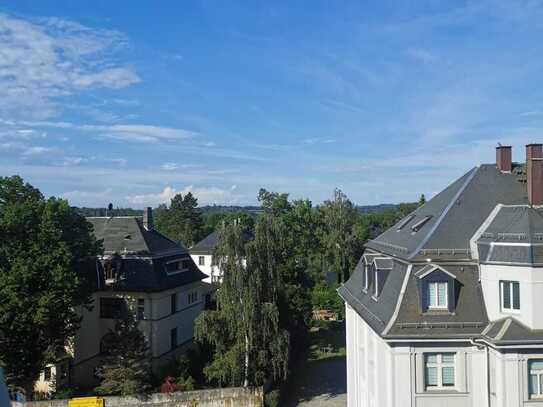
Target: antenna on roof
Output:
[{"x": 499, "y": 144}]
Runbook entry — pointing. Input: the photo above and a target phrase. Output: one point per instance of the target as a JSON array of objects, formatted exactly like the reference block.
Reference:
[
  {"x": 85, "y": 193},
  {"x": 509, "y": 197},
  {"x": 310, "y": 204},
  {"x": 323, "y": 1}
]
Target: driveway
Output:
[{"x": 321, "y": 381}]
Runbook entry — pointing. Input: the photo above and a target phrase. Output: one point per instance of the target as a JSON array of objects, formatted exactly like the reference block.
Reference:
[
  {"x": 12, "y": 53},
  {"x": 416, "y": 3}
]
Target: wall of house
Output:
[
  {"x": 531, "y": 291},
  {"x": 207, "y": 269},
  {"x": 158, "y": 322},
  {"x": 380, "y": 375},
  {"x": 227, "y": 397}
]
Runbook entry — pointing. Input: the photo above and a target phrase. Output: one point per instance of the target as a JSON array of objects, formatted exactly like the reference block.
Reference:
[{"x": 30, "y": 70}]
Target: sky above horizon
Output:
[{"x": 131, "y": 102}]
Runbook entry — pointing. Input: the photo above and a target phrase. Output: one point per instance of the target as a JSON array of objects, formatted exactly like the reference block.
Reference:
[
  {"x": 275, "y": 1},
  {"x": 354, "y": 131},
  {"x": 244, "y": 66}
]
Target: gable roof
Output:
[
  {"x": 430, "y": 268},
  {"x": 453, "y": 216},
  {"x": 126, "y": 235}
]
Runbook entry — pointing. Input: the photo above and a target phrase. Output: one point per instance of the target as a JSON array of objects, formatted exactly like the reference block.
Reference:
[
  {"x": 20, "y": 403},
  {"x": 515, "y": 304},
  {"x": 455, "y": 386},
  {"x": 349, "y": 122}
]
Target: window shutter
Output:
[
  {"x": 451, "y": 294},
  {"x": 424, "y": 296}
]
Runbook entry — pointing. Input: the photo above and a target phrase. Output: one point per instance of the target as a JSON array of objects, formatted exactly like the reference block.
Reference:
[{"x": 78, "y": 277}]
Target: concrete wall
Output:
[
  {"x": 228, "y": 397},
  {"x": 384, "y": 375},
  {"x": 531, "y": 291}
]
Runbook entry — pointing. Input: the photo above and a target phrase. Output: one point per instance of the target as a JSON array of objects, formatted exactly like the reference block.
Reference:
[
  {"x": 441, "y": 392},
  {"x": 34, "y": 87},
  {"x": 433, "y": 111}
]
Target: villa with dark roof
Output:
[
  {"x": 445, "y": 308},
  {"x": 144, "y": 273}
]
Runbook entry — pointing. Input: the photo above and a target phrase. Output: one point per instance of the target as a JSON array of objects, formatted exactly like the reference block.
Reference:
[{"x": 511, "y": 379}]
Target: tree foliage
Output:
[
  {"x": 126, "y": 369},
  {"x": 182, "y": 221},
  {"x": 47, "y": 251},
  {"x": 248, "y": 342},
  {"x": 342, "y": 241}
]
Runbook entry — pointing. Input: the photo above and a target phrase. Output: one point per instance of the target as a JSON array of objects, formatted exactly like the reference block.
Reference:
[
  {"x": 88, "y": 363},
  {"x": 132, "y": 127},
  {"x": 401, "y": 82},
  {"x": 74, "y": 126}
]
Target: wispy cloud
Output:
[{"x": 43, "y": 60}]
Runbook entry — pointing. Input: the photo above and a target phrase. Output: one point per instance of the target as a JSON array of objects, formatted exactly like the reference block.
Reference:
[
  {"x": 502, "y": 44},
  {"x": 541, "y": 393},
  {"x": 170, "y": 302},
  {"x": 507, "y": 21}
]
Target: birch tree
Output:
[{"x": 250, "y": 346}]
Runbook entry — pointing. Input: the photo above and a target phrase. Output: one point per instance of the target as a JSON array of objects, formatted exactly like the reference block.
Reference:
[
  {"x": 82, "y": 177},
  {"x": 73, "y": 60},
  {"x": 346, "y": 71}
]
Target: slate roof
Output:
[
  {"x": 455, "y": 215},
  {"x": 143, "y": 255},
  {"x": 509, "y": 331},
  {"x": 468, "y": 319},
  {"x": 511, "y": 226},
  {"x": 376, "y": 312},
  {"x": 208, "y": 243},
  {"x": 440, "y": 231},
  {"x": 126, "y": 234}
]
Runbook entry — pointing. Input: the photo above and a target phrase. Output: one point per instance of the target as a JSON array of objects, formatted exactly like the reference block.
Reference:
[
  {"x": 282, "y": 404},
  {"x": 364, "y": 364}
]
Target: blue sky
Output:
[{"x": 130, "y": 102}]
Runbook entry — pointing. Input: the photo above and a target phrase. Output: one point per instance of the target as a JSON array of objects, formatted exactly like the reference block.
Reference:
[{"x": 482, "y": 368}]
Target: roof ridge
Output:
[{"x": 462, "y": 188}]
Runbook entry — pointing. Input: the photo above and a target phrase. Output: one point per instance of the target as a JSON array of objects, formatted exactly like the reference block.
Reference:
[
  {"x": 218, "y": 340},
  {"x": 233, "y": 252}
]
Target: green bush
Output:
[{"x": 272, "y": 399}]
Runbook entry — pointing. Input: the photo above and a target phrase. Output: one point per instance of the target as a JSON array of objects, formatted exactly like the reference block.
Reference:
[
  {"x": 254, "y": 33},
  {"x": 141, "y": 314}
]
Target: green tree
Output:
[
  {"x": 248, "y": 342},
  {"x": 422, "y": 200},
  {"x": 342, "y": 241},
  {"x": 182, "y": 221},
  {"x": 47, "y": 259},
  {"x": 126, "y": 369}
]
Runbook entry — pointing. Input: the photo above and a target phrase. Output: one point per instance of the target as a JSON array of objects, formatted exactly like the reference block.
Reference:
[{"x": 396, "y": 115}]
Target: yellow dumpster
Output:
[{"x": 86, "y": 402}]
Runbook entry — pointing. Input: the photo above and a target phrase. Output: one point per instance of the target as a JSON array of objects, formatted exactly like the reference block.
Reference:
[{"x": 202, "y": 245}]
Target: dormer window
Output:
[
  {"x": 366, "y": 277},
  {"x": 437, "y": 295},
  {"x": 177, "y": 266},
  {"x": 437, "y": 288},
  {"x": 112, "y": 270}
]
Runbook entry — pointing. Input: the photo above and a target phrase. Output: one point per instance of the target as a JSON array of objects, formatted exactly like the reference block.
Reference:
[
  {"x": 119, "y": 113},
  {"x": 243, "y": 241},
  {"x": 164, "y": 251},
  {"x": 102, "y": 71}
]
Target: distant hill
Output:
[
  {"x": 209, "y": 209},
  {"x": 377, "y": 208}
]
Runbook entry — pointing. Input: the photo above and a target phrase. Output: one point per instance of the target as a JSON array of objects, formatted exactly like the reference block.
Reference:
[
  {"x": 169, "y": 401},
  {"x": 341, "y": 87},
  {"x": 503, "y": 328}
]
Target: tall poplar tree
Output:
[{"x": 250, "y": 346}]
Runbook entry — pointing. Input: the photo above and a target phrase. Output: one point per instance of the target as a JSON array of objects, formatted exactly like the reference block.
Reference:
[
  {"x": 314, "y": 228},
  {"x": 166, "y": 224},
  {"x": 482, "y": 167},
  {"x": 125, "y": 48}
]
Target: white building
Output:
[
  {"x": 202, "y": 255},
  {"x": 446, "y": 307},
  {"x": 146, "y": 274}
]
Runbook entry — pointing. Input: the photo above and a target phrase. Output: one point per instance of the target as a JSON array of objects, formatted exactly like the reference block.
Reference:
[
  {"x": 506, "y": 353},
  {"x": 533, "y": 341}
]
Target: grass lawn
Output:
[{"x": 327, "y": 340}]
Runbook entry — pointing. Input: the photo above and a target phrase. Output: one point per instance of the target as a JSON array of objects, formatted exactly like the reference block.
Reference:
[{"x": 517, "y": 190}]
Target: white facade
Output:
[
  {"x": 382, "y": 374},
  {"x": 203, "y": 261},
  {"x": 157, "y": 324},
  {"x": 530, "y": 281}
]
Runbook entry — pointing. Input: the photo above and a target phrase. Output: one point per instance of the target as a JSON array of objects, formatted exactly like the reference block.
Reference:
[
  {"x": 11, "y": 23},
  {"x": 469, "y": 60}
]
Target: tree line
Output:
[{"x": 263, "y": 308}]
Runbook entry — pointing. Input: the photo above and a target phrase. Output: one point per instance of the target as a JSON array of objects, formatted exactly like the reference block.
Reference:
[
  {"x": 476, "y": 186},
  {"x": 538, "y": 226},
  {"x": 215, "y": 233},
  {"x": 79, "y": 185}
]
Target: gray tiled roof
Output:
[
  {"x": 514, "y": 236},
  {"x": 143, "y": 253},
  {"x": 447, "y": 223},
  {"x": 127, "y": 235},
  {"x": 509, "y": 331},
  {"x": 456, "y": 214},
  {"x": 208, "y": 243},
  {"x": 469, "y": 317},
  {"x": 376, "y": 312}
]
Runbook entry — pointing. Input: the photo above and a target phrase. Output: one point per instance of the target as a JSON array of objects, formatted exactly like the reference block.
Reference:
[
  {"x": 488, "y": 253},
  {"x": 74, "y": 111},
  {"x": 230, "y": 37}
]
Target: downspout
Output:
[{"x": 487, "y": 363}]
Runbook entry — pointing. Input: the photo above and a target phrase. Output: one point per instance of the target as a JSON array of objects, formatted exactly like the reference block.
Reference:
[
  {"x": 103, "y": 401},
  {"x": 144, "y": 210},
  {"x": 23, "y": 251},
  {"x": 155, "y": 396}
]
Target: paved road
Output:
[{"x": 321, "y": 383}]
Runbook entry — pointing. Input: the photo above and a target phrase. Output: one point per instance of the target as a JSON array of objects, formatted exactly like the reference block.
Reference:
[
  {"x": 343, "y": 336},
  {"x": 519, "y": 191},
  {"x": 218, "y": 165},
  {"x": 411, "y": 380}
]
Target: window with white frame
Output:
[
  {"x": 201, "y": 260},
  {"x": 366, "y": 277},
  {"x": 535, "y": 374},
  {"x": 510, "y": 295},
  {"x": 437, "y": 295},
  {"x": 439, "y": 370},
  {"x": 193, "y": 297}
]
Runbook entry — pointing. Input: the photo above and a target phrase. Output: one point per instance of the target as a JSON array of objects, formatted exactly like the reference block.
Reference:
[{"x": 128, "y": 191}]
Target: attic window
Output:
[
  {"x": 405, "y": 221},
  {"x": 127, "y": 237},
  {"x": 417, "y": 226},
  {"x": 177, "y": 266}
]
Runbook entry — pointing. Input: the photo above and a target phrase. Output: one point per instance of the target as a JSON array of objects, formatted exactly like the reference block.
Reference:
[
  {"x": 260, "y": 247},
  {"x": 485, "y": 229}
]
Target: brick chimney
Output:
[
  {"x": 534, "y": 173},
  {"x": 148, "y": 218},
  {"x": 504, "y": 158}
]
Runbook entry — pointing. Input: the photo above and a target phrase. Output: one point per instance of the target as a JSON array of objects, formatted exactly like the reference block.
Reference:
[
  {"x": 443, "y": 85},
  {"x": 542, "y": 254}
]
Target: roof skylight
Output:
[
  {"x": 405, "y": 221},
  {"x": 417, "y": 226}
]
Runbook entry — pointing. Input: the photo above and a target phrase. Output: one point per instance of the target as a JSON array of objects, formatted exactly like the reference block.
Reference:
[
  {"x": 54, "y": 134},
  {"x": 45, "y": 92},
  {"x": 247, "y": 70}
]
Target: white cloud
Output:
[
  {"x": 318, "y": 140},
  {"x": 169, "y": 166},
  {"x": 127, "y": 132},
  {"x": 205, "y": 195},
  {"x": 42, "y": 60}
]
